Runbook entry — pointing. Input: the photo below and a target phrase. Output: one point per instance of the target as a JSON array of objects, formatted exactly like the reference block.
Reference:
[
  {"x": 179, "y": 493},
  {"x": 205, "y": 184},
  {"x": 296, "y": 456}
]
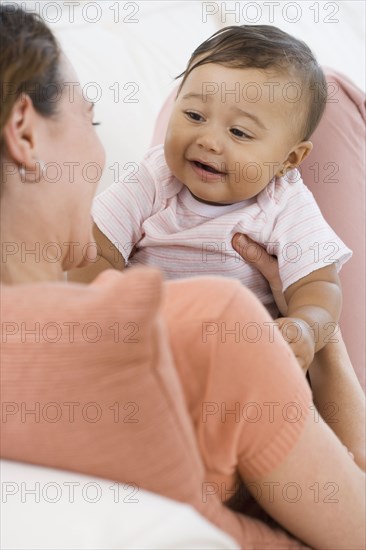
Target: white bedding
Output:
[{"x": 46, "y": 509}]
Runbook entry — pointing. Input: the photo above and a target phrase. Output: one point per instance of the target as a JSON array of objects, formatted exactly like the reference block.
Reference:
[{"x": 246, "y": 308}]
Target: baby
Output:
[{"x": 250, "y": 98}]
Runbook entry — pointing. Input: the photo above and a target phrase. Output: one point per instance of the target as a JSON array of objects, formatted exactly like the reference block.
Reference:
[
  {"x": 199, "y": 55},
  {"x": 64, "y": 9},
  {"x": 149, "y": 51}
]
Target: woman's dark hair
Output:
[
  {"x": 29, "y": 63},
  {"x": 268, "y": 48}
]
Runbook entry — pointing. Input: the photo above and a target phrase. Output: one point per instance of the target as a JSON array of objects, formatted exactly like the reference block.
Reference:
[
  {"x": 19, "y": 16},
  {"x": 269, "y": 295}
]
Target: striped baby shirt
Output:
[{"x": 153, "y": 219}]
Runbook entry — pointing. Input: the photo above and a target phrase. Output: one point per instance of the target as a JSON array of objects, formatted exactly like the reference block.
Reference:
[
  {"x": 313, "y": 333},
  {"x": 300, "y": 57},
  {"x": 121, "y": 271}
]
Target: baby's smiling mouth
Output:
[{"x": 207, "y": 167}]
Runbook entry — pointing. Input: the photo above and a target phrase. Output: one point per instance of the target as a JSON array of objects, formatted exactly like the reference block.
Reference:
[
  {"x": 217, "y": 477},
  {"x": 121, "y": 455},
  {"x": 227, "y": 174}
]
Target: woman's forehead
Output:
[{"x": 68, "y": 72}]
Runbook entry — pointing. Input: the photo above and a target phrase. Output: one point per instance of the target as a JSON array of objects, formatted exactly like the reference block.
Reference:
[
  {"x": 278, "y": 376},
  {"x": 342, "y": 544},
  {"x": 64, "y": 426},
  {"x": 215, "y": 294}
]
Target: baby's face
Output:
[{"x": 230, "y": 132}]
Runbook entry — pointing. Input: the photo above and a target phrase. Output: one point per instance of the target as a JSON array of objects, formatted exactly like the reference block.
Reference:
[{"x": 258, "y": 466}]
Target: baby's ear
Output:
[
  {"x": 296, "y": 156},
  {"x": 299, "y": 153}
]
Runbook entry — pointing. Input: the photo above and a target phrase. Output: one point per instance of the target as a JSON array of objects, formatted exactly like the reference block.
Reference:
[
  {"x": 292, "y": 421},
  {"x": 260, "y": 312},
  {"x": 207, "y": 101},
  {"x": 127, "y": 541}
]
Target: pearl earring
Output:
[
  {"x": 22, "y": 172},
  {"x": 26, "y": 178}
]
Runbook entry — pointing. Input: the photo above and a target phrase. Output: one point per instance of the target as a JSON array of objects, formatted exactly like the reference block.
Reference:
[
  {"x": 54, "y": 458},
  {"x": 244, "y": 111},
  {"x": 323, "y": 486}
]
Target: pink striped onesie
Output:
[{"x": 154, "y": 215}]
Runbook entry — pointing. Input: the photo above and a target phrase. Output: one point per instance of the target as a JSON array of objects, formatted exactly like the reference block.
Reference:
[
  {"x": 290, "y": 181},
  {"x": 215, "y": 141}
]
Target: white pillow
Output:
[{"x": 71, "y": 511}]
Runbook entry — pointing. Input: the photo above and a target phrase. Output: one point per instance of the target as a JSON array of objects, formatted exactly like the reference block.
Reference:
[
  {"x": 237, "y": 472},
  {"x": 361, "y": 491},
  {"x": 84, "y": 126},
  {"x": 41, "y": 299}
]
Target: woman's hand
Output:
[
  {"x": 296, "y": 332},
  {"x": 266, "y": 264}
]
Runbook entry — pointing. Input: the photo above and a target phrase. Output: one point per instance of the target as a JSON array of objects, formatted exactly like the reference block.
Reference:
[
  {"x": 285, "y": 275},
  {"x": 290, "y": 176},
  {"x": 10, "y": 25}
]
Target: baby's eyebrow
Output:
[
  {"x": 249, "y": 115},
  {"x": 198, "y": 96}
]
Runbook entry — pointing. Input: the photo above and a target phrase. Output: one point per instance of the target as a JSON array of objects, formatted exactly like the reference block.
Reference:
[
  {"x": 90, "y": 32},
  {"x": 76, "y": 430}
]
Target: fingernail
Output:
[{"x": 240, "y": 240}]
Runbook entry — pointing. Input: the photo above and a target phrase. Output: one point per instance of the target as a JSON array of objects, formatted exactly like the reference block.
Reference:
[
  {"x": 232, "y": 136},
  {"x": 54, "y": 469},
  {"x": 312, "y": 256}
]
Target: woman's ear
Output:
[
  {"x": 19, "y": 133},
  {"x": 295, "y": 157}
]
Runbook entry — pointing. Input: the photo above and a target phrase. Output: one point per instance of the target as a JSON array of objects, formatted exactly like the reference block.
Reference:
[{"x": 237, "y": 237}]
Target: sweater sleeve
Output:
[{"x": 245, "y": 390}]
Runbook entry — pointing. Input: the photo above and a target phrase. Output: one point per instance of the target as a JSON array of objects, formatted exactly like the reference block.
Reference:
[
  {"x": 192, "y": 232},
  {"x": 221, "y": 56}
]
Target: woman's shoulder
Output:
[
  {"x": 130, "y": 301},
  {"x": 137, "y": 290}
]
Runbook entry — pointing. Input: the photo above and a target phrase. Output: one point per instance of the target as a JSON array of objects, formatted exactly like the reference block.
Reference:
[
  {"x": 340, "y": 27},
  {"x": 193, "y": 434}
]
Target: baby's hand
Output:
[{"x": 300, "y": 337}]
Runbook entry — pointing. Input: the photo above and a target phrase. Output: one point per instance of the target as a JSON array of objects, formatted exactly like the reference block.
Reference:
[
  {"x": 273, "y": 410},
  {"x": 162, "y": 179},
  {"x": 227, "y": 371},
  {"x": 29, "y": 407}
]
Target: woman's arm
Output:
[
  {"x": 242, "y": 390},
  {"x": 318, "y": 492},
  {"x": 109, "y": 258},
  {"x": 339, "y": 396}
]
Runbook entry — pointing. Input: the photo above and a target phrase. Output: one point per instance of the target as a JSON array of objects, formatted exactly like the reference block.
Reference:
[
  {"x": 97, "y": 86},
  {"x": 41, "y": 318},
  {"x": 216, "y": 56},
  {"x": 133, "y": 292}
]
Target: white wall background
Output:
[
  {"x": 128, "y": 53},
  {"x": 335, "y": 31}
]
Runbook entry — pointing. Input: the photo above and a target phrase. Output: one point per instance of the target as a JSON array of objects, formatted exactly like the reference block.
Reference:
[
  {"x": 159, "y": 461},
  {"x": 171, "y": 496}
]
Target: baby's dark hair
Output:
[{"x": 268, "y": 48}]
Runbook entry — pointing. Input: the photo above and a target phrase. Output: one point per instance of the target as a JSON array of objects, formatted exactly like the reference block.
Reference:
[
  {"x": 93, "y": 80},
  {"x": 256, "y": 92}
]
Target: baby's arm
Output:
[
  {"x": 119, "y": 213},
  {"x": 314, "y": 306}
]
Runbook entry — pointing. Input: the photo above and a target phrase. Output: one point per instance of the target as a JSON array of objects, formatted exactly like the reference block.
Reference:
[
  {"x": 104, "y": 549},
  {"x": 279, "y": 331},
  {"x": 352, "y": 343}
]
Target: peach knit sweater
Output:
[{"x": 245, "y": 394}]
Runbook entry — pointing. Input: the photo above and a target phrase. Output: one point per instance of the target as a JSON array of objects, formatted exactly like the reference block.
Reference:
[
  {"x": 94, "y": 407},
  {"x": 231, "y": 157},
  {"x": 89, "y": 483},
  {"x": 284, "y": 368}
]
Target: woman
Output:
[{"x": 45, "y": 229}]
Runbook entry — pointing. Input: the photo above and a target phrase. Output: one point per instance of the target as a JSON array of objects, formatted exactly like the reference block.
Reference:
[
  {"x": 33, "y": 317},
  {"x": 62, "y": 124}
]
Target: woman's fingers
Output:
[
  {"x": 255, "y": 254},
  {"x": 266, "y": 264}
]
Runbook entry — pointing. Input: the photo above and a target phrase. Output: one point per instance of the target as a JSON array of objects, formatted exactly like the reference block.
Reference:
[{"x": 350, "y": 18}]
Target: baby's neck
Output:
[{"x": 210, "y": 203}]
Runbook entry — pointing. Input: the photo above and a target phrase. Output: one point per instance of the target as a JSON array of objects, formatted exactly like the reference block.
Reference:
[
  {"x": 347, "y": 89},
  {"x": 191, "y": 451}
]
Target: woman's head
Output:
[
  {"x": 29, "y": 63},
  {"x": 51, "y": 157}
]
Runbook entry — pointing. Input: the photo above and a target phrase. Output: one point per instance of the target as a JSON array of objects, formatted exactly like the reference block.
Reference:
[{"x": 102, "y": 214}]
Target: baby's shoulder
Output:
[
  {"x": 279, "y": 190},
  {"x": 155, "y": 164}
]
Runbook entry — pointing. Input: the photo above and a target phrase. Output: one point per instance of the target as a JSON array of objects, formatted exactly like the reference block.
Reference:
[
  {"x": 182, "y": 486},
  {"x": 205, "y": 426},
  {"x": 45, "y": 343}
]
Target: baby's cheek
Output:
[
  {"x": 170, "y": 157},
  {"x": 253, "y": 172}
]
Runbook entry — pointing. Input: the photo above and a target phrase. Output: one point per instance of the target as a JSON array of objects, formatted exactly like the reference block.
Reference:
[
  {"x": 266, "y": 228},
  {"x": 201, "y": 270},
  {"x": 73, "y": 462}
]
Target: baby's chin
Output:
[{"x": 212, "y": 203}]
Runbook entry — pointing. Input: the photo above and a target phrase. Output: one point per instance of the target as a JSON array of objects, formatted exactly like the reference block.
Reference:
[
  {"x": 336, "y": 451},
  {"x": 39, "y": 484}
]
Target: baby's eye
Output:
[
  {"x": 239, "y": 133},
  {"x": 96, "y": 123},
  {"x": 194, "y": 116}
]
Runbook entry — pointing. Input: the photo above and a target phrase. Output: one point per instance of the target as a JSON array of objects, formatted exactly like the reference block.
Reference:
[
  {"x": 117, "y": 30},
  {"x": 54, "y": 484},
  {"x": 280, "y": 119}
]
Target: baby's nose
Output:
[{"x": 209, "y": 140}]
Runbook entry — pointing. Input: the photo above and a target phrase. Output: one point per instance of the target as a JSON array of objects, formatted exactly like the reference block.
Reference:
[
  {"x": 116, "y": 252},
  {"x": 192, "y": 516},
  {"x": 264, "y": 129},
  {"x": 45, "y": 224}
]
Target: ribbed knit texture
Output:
[{"x": 120, "y": 408}]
